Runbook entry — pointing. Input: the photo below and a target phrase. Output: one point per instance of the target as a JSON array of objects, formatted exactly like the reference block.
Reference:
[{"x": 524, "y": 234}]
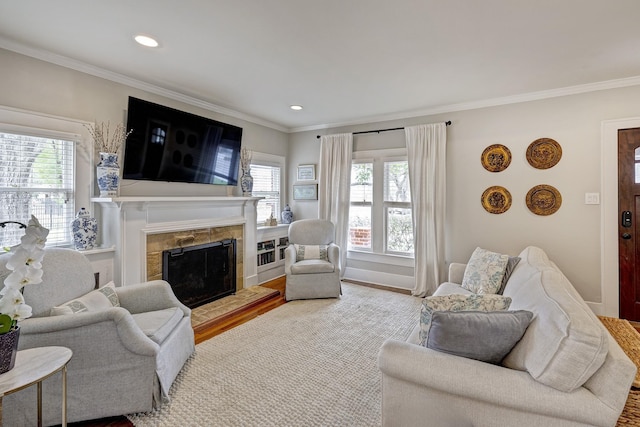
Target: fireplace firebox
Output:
[{"x": 202, "y": 273}]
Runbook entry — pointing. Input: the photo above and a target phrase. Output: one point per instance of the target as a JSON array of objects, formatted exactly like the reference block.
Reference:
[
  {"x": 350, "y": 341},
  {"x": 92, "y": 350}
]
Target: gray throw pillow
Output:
[
  {"x": 484, "y": 336},
  {"x": 511, "y": 264}
]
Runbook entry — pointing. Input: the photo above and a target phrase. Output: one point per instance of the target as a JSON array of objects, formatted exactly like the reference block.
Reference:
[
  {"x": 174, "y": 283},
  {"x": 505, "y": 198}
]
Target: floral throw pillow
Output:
[
  {"x": 484, "y": 272},
  {"x": 311, "y": 252},
  {"x": 458, "y": 302}
]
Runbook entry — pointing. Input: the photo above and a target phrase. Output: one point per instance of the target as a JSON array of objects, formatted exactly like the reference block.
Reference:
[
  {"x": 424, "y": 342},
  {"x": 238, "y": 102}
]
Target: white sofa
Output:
[{"x": 566, "y": 370}]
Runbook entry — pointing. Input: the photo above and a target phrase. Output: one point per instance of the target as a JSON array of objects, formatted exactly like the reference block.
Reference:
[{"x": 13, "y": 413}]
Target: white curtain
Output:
[
  {"x": 426, "y": 151},
  {"x": 334, "y": 183}
]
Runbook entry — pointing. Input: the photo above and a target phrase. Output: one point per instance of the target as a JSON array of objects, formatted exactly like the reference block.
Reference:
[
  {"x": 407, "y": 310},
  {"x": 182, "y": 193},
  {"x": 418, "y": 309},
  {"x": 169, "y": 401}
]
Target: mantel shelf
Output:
[{"x": 181, "y": 199}]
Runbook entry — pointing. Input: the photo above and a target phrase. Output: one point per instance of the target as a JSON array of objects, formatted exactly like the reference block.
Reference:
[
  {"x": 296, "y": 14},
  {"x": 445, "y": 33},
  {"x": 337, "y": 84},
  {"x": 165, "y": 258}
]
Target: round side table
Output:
[{"x": 33, "y": 366}]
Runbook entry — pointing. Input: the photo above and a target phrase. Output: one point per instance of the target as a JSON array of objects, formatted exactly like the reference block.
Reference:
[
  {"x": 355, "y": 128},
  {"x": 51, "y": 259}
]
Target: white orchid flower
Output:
[
  {"x": 22, "y": 257},
  {"x": 22, "y": 276}
]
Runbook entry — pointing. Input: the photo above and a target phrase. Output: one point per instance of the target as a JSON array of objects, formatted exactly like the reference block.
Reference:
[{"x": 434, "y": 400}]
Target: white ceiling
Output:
[{"x": 345, "y": 61}]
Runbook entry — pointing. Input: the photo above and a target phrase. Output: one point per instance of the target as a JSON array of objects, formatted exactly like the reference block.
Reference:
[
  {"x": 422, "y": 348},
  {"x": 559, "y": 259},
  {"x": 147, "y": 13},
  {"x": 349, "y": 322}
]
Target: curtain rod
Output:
[{"x": 448, "y": 123}]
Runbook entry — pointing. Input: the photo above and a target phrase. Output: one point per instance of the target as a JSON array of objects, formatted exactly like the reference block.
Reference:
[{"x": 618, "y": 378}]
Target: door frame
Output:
[{"x": 609, "y": 279}]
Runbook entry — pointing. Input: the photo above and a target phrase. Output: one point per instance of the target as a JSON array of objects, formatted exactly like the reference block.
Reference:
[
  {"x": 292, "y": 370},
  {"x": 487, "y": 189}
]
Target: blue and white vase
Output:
[
  {"x": 85, "y": 230},
  {"x": 287, "y": 215},
  {"x": 108, "y": 174},
  {"x": 246, "y": 182}
]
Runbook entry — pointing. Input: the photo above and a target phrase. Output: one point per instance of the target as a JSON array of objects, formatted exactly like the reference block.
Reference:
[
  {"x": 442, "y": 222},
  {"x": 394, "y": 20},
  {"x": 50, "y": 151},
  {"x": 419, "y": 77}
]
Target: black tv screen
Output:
[{"x": 175, "y": 146}]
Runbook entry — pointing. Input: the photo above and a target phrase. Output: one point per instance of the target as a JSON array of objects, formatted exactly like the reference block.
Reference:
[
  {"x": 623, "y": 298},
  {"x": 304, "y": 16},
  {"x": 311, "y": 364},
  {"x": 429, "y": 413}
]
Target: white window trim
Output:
[
  {"x": 267, "y": 159},
  {"x": 15, "y": 120},
  {"x": 376, "y": 253}
]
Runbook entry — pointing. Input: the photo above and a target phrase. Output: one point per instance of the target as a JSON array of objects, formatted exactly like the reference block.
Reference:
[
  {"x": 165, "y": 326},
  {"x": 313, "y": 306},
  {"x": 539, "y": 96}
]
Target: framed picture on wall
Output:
[
  {"x": 306, "y": 172},
  {"x": 305, "y": 192}
]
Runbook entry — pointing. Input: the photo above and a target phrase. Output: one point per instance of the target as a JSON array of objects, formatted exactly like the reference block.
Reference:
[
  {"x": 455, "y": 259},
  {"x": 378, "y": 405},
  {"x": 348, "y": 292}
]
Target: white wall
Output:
[
  {"x": 571, "y": 236},
  {"x": 30, "y": 84}
]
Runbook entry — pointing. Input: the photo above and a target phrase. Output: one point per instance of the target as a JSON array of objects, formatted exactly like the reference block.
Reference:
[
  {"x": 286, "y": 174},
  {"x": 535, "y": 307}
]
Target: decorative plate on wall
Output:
[
  {"x": 496, "y": 158},
  {"x": 544, "y": 153},
  {"x": 496, "y": 199},
  {"x": 544, "y": 200}
]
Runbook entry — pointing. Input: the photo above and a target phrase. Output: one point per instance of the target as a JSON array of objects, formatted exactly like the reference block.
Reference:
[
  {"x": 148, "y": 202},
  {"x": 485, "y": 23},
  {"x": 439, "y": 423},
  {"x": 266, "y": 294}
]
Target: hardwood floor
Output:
[{"x": 224, "y": 323}]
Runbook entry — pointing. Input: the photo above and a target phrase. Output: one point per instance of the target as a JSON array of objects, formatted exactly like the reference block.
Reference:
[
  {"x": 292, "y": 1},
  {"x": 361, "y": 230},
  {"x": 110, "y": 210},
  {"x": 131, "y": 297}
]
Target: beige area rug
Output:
[{"x": 306, "y": 363}]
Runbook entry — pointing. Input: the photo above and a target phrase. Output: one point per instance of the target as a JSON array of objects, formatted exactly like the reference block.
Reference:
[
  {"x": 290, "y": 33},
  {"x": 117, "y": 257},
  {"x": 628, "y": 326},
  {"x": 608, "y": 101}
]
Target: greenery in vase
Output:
[
  {"x": 106, "y": 141},
  {"x": 25, "y": 264}
]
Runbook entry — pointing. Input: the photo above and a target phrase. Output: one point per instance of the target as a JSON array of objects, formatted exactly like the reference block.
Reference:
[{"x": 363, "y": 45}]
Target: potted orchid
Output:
[{"x": 25, "y": 265}]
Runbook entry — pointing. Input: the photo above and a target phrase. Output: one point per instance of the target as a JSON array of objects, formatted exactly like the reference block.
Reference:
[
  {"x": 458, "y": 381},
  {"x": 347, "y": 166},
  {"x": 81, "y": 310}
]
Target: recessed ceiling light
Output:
[
  {"x": 146, "y": 40},
  {"x": 296, "y": 107}
]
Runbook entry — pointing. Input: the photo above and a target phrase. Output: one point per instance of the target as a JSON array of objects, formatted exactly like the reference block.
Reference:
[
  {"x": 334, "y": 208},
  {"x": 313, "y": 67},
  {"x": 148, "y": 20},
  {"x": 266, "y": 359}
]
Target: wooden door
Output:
[{"x": 629, "y": 222}]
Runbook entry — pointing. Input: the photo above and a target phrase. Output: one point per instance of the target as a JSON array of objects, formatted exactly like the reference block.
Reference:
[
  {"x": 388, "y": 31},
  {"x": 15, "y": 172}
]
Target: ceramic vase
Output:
[
  {"x": 246, "y": 182},
  {"x": 108, "y": 174},
  {"x": 287, "y": 215},
  {"x": 85, "y": 230},
  {"x": 8, "y": 349}
]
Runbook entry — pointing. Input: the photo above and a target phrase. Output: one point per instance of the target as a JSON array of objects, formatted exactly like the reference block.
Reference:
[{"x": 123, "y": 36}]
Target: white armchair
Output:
[
  {"x": 124, "y": 358},
  {"x": 312, "y": 261}
]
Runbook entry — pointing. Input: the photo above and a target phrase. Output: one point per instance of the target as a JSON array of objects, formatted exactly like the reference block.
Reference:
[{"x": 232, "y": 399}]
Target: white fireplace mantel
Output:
[{"x": 126, "y": 221}]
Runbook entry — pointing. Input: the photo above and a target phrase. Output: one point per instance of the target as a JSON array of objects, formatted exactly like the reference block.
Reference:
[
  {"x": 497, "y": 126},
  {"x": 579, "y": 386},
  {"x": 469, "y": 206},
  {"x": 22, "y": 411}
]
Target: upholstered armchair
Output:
[
  {"x": 312, "y": 261},
  {"x": 128, "y": 343}
]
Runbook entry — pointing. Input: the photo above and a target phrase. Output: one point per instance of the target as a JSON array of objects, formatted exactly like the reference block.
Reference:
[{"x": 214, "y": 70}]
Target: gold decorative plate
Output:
[
  {"x": 544, "y": 200},
  {"x": 544, "y": 153},
  {"x": 496, "y": 199},
  {"x": 496, "y": 158}
]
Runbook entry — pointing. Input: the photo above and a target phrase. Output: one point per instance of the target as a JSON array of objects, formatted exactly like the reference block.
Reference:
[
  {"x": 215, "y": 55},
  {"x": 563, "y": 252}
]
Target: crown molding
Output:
[
  {"x": 66, "y": 62},
  {"x": 83, "y": 67},
  {"x": 493, "y": 102}
]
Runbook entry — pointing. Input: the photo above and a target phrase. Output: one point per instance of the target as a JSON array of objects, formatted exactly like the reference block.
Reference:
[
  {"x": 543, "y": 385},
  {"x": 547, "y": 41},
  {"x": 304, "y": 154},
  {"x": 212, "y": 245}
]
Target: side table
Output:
[{"x": 33, "y": 366}]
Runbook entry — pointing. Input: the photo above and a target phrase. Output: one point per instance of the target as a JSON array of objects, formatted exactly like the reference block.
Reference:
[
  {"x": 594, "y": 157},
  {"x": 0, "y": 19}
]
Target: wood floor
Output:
[{"x": 224, "y": 323}]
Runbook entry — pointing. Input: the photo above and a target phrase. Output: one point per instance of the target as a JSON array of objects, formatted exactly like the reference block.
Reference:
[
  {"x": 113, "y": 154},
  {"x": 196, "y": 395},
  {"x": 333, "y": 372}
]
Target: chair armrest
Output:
[
  {"x": 113, "y": 328},
  {"x": 333, "y": 252},
  {"x": 149, "y": 296},
  {"x": 456, "y": 272},
  {"x": 494, "y": 385},
  {"x": 289, "y": 258}
]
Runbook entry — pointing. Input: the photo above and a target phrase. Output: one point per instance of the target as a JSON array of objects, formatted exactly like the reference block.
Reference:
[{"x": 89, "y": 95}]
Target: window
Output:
[
  {"x": 266, "y": 171},
  {"x": 380, "y": 205},
  {"x": 36, "y": 178}
]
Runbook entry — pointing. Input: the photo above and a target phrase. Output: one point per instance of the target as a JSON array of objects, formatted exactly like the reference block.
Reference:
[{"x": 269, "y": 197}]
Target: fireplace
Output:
[{"x": 202, "y": 273}]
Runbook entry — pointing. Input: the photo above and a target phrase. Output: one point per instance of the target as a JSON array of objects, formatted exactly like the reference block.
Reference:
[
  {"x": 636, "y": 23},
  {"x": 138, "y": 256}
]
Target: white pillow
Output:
[
  {"x": 100, "y": 299},
  {"x": 484, "y": 272},
  {"x": 311, "y": 252}
]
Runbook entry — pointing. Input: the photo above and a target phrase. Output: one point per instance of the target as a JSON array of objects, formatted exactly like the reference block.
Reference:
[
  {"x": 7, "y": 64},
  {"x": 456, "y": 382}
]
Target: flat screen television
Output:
[{"x": 175, "y": 146}]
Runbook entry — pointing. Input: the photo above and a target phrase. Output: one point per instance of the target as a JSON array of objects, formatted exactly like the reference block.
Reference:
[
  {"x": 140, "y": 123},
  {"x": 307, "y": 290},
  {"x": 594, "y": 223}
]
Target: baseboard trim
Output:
[{"x": 383, "y": 287}]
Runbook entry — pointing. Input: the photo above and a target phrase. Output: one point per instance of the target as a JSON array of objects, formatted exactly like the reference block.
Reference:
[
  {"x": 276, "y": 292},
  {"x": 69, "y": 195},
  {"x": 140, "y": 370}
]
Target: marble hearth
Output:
[{"x": 137, "y": 227}]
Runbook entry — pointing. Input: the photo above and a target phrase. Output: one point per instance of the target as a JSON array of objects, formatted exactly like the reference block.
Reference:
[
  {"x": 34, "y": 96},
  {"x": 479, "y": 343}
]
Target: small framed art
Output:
[
  {"x": 305, "y": 192},
  {"x": 306, "y": 172}
]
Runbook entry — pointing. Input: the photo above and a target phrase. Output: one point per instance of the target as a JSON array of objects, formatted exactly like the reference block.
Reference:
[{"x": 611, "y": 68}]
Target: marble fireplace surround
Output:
[{"x": 137, "y": 227}]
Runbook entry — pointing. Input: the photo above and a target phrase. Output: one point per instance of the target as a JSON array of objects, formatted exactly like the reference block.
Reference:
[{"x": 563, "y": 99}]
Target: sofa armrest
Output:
[
  {"x": 492, "y": 385},
  {"x": 113, "y": 328},
  {"x": 456, "y": 272},
  {"x": 333, "y": 252},
  {"x": 149, "y": 296}
]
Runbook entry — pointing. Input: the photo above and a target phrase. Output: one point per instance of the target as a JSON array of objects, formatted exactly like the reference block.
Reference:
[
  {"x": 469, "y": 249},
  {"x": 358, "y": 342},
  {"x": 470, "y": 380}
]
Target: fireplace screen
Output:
[{"x": 203, "y": 273}]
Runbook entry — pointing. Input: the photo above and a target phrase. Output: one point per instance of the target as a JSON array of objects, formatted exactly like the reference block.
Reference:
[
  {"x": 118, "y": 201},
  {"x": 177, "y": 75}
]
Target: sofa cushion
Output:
[
  {"x": 484, "y": 271},
  {"x": 457, "y": 302},
  {"x": 565, "y": 344},
  {"x": 311, "y": 252},
  {"x": 484, "y": 336},
  {"x": 100, "y": 299},
  {"x": 312, "y": 266},
  {"x": 511, "y": 265},
  {"x": 158, "y": 324}
]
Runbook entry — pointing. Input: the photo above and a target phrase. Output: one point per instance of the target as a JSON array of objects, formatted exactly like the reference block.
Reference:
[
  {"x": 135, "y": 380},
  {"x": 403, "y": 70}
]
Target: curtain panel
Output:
[
  {"x": 426, "y": 153},
  {"x": 334, "y": 183}
]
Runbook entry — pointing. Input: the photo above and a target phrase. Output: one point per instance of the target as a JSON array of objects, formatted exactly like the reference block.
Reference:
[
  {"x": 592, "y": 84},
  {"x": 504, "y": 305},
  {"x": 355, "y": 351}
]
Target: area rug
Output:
[{"x": 306, "y": 363}]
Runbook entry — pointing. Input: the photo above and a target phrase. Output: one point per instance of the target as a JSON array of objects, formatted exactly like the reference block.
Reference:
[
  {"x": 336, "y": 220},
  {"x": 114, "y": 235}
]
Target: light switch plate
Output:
[{"x": 591, "y": 198}]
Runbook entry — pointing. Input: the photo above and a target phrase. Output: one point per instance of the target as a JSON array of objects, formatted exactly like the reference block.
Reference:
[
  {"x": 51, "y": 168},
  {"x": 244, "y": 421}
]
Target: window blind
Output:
[
  {"x": 36, "y": 178},
  {"x": 266, "y": 183}
]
